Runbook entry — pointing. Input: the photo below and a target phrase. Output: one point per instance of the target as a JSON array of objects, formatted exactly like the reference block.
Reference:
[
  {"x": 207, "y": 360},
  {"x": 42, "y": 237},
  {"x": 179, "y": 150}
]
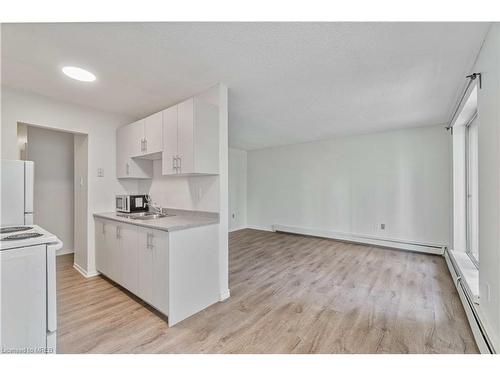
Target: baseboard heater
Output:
[
  {"x": 483, "y": 342},
  {"x": 363, "y": 239}
]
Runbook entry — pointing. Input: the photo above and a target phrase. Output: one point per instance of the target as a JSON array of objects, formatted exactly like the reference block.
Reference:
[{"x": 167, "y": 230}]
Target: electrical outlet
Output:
[
  {"x": 100, "y": 172},
  {"x": 382, "y": 226},
  {"x": 233, "y": 215}
]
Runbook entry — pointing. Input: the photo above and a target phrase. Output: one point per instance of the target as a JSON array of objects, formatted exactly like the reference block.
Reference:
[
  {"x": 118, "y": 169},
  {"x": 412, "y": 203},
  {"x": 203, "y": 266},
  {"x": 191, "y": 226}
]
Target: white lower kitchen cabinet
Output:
[
  {"x": 111, "y": 244},
  {"x": 175, "y": 272},
  {"x": 100, "y": 247},
  {"x": 128, "y": 257},
  {"x": 153, "y": 267}
]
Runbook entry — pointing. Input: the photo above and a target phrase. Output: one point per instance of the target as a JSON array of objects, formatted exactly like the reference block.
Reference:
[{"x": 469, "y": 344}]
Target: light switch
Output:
[{"x": 100, "y": 172}]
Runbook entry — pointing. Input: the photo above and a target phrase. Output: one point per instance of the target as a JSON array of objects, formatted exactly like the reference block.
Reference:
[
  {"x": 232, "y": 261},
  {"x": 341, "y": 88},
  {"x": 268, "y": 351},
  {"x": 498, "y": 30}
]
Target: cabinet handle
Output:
[
  {"x": 128, "y": 169},
  {"x": 142, "y": 144},
  {"x": 118, "y": 232},
  {"x": 174, "y": 167},
  {"x": 180, "y": 163},
  {"x": 149, "y": 241},
  {"x": 145, "y": 144}
]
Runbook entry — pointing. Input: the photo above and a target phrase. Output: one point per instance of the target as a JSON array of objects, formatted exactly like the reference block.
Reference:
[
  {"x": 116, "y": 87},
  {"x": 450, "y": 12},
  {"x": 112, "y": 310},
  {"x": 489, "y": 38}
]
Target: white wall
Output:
[
  {"x": 200, "y": 193},
  {"x": 488, "y": 64},
  {"x": 19, "y": 106},
  {"x": 237, "y": 189},
  {"x": 353, "y": 184},
  {"x": 53, "y": 198}
]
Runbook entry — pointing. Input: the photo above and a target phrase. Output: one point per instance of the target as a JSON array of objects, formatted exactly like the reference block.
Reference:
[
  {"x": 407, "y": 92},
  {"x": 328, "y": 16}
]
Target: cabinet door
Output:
[
  {"x": 169, "y": 141},
  {"x": 128, "y": 144},
  {"x": 185, "y": 147},
  {"x": 153, "y": 133},
  {"x": 113, "y": 258},
  {"x": 144, "y": 266},
  {"x": 100, "y": 248},
  {"x": 159, "y": 247},
  {"x": 133, "y": 136},
  {"x": 128, "y": 254}
]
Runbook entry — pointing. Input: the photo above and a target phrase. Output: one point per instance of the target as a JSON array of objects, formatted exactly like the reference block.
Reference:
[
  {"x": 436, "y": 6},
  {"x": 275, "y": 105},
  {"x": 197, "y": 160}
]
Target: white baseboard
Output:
[
  {"x": 267, "y": 229},
  {"x": 235, "y": 229},
  {"x": 84, "y": 272},
  {"x": 369, "y": 240},
  {"x": 224, "y": 295},
  {"x": 64, "y": 252}
]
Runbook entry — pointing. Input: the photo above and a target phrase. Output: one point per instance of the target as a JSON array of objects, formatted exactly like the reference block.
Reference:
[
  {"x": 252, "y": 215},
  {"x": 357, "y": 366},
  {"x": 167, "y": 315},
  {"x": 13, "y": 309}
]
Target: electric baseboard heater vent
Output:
[
  {"x": 480, "y": 335},
  {"x": 428, "y": 248}
]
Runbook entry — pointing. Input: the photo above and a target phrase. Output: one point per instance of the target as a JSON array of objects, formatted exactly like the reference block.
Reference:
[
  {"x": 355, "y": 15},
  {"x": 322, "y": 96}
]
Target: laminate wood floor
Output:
[{"x": 289, "y": 294}]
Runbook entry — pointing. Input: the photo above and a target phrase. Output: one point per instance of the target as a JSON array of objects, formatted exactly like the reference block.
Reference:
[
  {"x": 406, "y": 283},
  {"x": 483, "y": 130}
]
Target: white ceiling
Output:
[{"x": 288, "y": 82}]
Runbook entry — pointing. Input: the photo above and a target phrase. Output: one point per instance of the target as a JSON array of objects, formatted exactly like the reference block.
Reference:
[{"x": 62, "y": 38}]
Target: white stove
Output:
[
  {"x": 28, "y": 289},
  {"x": 12, "y": 237}
]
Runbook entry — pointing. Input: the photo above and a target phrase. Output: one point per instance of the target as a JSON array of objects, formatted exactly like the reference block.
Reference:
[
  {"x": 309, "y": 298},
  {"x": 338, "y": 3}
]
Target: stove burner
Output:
[
  {"x": 14, "y": 229},
  {"x": 21, "y": 236}
]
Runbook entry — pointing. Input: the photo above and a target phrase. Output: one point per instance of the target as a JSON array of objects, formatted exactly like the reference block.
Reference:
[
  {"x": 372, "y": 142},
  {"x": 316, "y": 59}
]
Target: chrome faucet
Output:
[{"x": 153, "y": 206}]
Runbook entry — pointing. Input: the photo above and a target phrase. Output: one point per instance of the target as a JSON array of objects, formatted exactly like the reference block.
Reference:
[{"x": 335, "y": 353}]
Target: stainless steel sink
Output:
[{"x": 144, "y": 215}]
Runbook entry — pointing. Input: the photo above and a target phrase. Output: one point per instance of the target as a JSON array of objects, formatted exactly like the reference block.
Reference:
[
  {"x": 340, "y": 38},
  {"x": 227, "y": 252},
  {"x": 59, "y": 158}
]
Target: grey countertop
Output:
[{"x": 182, "y": 219}]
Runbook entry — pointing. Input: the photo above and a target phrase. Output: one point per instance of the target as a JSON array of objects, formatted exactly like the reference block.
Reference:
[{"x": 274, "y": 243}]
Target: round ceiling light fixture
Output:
[{"x": 79, "y": 74}]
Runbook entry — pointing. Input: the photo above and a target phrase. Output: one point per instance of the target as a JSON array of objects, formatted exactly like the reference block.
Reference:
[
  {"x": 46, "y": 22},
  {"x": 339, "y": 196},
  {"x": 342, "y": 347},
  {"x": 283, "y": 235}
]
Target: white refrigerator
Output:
[{"x": 17, "y": 192}]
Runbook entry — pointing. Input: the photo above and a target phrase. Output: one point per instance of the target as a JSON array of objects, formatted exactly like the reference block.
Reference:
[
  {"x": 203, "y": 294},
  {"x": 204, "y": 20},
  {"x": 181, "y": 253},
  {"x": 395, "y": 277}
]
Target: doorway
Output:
[{"x": 60, "y": 182}]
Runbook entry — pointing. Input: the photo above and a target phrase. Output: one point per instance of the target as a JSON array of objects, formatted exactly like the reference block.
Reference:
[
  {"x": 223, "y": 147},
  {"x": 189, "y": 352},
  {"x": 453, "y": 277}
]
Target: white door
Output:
[
  {"x": 23, "y": 298},
  {"x": 153, "y": 133},
  {"x": 169, "y": 141},
  {"x": 128, "y": 255},
  {"x": 144, "y": 266},
  {"x": 185, "y": 148}
]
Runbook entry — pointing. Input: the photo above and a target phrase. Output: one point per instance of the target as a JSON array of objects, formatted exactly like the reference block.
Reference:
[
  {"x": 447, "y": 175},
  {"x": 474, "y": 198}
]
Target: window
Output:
[{"x": 471, "y": 201}]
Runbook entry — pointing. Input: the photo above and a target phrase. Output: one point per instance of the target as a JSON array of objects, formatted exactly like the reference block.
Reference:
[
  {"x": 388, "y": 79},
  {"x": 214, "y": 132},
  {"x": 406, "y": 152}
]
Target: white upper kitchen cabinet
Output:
[
  {"x": 126, "y": 147},
  {"x": 134, "y": 141},
  {"x": 153, "y": 140},
  {"x": 169, "y": 141},
  {"x": 191, "y": 139},
  {"x": 144, "y": 137}
]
